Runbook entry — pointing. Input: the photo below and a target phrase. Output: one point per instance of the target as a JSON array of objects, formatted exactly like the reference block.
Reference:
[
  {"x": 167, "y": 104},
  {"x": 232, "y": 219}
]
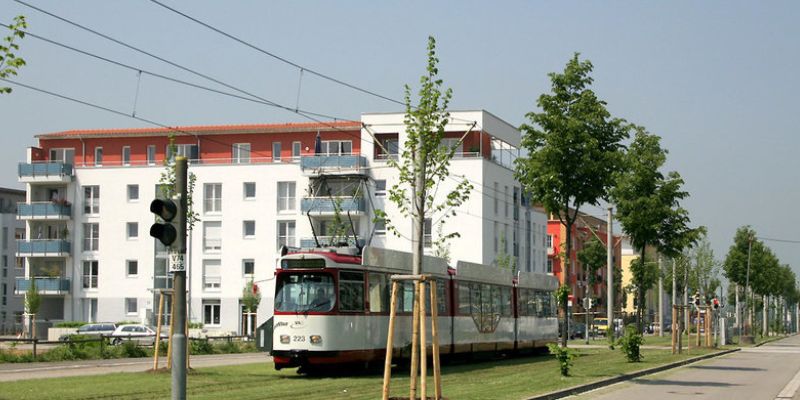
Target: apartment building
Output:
[
  {"x": 11, "y": 306},
  {"x": 257, "y": 187}
]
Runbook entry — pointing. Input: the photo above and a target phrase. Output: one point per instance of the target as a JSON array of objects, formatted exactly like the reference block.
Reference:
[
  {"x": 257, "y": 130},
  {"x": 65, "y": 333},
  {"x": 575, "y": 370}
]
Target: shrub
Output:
[
  {"x": 228, "y": 348},
  {"x": 70, "y": 324},
  {"x": 201, "y": 346},
  {"x": 564, "y": 355},
  {"x": 132, "y": 349},
  {"x": 631, "y": 343},
  {"x": 195, "y": 325}
]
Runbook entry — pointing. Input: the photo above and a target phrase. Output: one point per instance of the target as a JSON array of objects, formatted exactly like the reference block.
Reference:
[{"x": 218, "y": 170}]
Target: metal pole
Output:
[
  {"x": 610, "y": 274},
  {"x": 179, "y": 313},
  {"x": 660, "y": 298},
  {"x": 747, "y": 285}
]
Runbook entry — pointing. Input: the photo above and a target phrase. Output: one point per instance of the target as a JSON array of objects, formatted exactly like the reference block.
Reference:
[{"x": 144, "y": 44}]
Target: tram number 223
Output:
[{"x": 298, "y": 338}]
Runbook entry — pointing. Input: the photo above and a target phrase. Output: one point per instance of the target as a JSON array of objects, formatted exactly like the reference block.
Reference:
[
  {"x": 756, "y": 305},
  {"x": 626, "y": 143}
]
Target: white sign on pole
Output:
[{"x": 176, "y": 262}]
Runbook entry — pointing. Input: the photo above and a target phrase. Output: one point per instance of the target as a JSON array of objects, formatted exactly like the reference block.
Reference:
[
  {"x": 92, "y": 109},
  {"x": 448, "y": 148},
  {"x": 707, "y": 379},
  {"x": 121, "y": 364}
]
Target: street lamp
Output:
[{"x": 747, "y": 280}]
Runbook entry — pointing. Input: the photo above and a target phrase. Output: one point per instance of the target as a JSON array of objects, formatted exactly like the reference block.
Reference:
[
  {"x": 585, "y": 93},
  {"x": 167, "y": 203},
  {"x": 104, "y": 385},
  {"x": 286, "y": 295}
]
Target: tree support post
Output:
[{"x": 157, "y": 341}]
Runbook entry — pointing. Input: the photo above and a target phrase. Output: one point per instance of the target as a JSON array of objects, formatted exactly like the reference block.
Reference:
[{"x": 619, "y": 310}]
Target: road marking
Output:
[{"x": 790, "y": 389}]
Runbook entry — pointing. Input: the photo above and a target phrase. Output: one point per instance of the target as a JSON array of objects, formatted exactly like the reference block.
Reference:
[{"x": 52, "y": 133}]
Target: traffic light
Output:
[
  {"x": 168, "y": 211},
  {"x": 715, "y": 303},
  {"x": 696, "y": 300}
]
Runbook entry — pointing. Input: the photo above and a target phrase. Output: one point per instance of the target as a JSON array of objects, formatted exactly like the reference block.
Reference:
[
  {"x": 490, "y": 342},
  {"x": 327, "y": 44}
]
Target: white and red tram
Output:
[{"x": 332, "y": 307}]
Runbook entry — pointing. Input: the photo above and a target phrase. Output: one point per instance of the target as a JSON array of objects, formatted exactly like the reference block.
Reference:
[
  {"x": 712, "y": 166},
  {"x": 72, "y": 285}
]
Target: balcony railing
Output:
[
  {"x": 309, "y": 242},
  {"x": 44, "y": 210},
  {"x": 44, "y": 285},
  {"x": 333, "y": 162},
  {"x": 327, "y": 205},
  {"x": 43, "y": 247},
  {"x": 47, "y": 171}
]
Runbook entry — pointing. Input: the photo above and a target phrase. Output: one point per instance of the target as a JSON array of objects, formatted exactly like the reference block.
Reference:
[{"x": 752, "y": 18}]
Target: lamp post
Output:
[{"x": 747, "y": 282}]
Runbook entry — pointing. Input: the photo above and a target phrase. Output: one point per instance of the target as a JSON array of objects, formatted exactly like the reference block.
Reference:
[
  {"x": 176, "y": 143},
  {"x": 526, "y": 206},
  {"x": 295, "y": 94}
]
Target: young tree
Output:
[
  {"x": 167, "y": 184},
  {"x": 593, "y": 256},
  {"x": 9, "y": 62},
  {"x": 251, "y": 298},
  {"x": 32, "y": 303},
  {"x": 574, "y": 147},
  {"x": 649, "y": 210}
]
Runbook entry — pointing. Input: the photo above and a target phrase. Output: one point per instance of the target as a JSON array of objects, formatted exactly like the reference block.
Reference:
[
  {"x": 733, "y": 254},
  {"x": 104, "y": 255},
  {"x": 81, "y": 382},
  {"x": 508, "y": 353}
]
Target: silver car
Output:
[
  {"x": 141, "y": 334},
  {"x": 96, "y": 329}
]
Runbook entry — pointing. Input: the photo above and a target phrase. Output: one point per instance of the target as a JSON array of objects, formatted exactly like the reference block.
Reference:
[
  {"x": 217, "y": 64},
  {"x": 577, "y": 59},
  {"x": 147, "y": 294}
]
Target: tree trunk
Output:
[{"x": 567, "y": 275}]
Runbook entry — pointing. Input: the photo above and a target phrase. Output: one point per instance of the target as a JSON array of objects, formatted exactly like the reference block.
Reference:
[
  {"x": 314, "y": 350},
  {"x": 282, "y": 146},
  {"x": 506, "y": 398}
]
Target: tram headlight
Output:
[
  {"x": 316, "y": 339},
  {"x": 285, "y": 339}
]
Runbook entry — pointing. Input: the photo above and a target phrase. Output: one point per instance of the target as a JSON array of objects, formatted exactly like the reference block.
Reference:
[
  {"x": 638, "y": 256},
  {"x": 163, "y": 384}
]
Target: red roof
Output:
[{"x": 207, "y": 129}]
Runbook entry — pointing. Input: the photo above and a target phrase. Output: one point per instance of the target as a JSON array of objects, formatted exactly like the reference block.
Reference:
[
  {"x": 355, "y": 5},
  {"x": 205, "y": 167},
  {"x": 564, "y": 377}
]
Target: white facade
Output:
[
  {"x": 245, "y": 209},
  {"x": 11, "y": 306}
]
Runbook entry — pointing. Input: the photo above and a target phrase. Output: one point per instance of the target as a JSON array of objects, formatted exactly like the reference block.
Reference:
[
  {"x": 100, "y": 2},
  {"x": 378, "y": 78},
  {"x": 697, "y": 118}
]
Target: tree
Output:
[
  {"x": 9, "y": 62},
  {"x": 251, "y": 298},
  {"x": 505, "y": 260},
  {"x": 648, "y": 207},
  {"x": 32, "y": 303},
  {"x": 167, "y": 183},
  {"x": 574, "y": 147},
  {"x": 593, "y": 256}
]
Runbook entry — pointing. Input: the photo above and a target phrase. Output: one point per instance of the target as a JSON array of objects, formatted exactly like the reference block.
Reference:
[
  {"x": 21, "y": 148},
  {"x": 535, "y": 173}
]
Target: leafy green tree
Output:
[
  {"x": 9, "y": 62},
  {"x": 167, "y": 184},
  {"x": 251, "y": 298},
  {"x": 593, "y": 256},
  {"x": 648, "y": 207},
  {"x": 574, "y": 148},
  {"x": 32, "y": 303},
  {"x": 505, "y": 260}
]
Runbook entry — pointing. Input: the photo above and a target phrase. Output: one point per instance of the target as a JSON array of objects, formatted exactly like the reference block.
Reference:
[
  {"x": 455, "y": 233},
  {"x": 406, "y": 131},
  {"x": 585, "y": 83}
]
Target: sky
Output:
[{"x": 717, "y": 80}]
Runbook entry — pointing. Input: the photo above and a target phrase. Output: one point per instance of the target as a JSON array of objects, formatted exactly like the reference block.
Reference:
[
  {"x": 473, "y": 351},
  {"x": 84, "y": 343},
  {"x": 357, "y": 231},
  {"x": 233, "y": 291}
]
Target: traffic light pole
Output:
[{"x": 179, "y": 287}]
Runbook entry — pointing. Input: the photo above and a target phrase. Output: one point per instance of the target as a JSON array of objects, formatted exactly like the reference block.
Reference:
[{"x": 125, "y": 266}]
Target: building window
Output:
[
  {"x": 276, "y": 151},
  {"x": 249, "y": 190},
  {"x": 496, "y": 196},
  {"x": 63, "y": 155},
  {"x": 496, "y": 237},
  {"x": 505, "y": 200},
  {"x": 380, "y": 187},
  {"x": 211, "y": 275},
  {"x": 286, "y": 233},
  {"x": 91, "y": 199},
  {"x": 380, "y": 227},
  {"x": 241, "y": 153},
  {"x": 90, "y": 269},
  {"x": 212, "y": 235},
  {"x": 286, "y": 197},
  {"x": 91, "y": 237},
  {"x": 132, "y": 267},
  {"x": 4, "y": 238},
  {"x": 337, "y": 147},
  {"x": 549, "y": 242},
  {"x": 126, "y": 155},
  {"x": 387, "y": 147},
  {"x": 211, "y": 310},
  {"x": 248, "y": 267},
  {"x": 549, "y": 265},
  {"x": 132, "y": 230},
  {"x": 151, "y": 154},
  {"x": 212, "y": 200},
  {"x": 427, "y": 235},
  {"x": 131, "y": 305},
  {"x": 133, "y": 192},
  {"x": 296, "y": 150},
  {"x": 249, "y": 229},
  {"x": 190, "y": 151},
  {"x": 98, "y": 156}
]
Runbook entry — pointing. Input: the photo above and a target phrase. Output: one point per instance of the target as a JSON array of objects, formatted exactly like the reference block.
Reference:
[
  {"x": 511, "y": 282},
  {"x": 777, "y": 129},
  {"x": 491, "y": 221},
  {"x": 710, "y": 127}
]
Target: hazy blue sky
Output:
[{"x": 717, "y": 81}]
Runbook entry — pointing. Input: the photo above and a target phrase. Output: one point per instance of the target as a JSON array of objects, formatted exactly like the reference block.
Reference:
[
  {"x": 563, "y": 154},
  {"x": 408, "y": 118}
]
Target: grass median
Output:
[{"x": 503, "y": 379}]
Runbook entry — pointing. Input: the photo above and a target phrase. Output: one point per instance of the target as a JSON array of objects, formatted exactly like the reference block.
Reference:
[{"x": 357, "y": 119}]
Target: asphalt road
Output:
[
  {"x": 768, "y": 372},
  {"x": 38, "y": 370}
]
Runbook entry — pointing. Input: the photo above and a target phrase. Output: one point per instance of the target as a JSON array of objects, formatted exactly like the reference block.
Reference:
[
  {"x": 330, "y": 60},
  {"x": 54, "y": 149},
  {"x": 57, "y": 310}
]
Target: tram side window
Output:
[
  {"x": 379, "y": 288},
  {"x": 351, "y": 291},
  {"x": 441, "y": 300},
  {"x": 505, "y": 301},
  {"x": 522, "y": 301},
  {"x": 405, "y": 299},
  {"x": 540, "y": 310},
  {"x": 463, "y": 298},
  {"x": 496, "y": 300}
]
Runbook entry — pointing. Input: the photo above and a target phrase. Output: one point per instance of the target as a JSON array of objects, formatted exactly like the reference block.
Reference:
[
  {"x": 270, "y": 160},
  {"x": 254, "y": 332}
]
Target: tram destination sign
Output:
[{"x": 293, "y": 263}]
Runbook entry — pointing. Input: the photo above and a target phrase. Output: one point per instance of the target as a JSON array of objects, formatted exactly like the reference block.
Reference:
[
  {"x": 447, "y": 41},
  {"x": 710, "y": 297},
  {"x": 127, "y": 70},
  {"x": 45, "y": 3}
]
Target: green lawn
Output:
[{"x": 504, "y": 379}]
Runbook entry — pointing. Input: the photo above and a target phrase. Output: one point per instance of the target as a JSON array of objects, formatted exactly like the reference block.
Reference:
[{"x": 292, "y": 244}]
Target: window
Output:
[
  {"x": 380, "y": 187},
  {"x": 351, "y": 291},
  {"x": 337, "y": 147},
  {"x": 91, "y": 199},
  {"x": 496, "y": 196},
  {"x": 211, "y": 311},
  {"x": 296, "y": 150},
  {"x": 132, "y": 267},
  {"x": 549, "y": 242},
  {"x": 549, "y": 265},
  {"x": 249, "y": 229},
  {"x": 211, "y": 275},
  {"x": 248, "y": 267},
  {"x": 5, "y": 292},
  {"x": 151, "y": 154},
  {"x": 212, "y": 200},
  {"x": 387, "y": 147},
  {"x": 98, "y": 156},
  {"x": 427, "y": 235},
  {"x": 496, "y": 236},
  {"x": 286, "y": 233},
  {"x": 5, "y": 261},
  {"x": 380, "y": 227},
  {"x": 133, "y": 192},
  {"x": 249, "y": 190},
  {"x": 91, "y": 237},
  {"x": 131, "y": 306},
  {"x": 4, "y": 238},
  {"x": 505, "y": 200},
  {"x": 63, "y": 155},
  {"x": 90, "y": 269},
  {"x": 190, "y": 151},
  {"x": 379, "y": 288},
  {"x": 126, "y": 155},
  {"x": 286, "y": 197},
  {"x": 133, "y": 230},
  {"x": 241, "y": 153},
  {"x": 276, "y": 151},
  {"x": 5, "y": 272},
  {"x": 212, "y": 235}
]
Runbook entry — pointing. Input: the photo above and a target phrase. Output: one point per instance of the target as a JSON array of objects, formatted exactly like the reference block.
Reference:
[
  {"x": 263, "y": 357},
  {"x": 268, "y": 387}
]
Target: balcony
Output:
[
  {"x": 327, "y": 206},
  {"x": 325, "y": 164},
  {"x": 308, "y": 242},
  {"x": 43, "y": 248},
  {"x": 45, "y": 210},
  {"x": 45, "y": 286},
  {"x": 44, "y": 172}
]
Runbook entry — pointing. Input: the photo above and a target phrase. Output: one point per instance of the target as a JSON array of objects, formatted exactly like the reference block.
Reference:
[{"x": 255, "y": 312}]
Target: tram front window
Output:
[{"x": 304, "y": 292}]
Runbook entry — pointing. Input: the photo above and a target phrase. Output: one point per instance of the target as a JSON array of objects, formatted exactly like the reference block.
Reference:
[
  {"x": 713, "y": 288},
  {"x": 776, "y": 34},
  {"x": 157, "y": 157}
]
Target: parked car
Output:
[
  {"x": 577, "y": 330},
  {"x": 141, "y": 334},
  {"x": 97, "y": 329}
]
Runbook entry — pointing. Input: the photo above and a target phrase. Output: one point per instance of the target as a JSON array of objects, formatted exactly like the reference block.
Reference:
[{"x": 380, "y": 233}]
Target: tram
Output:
[{"x": 332, "y": 307}]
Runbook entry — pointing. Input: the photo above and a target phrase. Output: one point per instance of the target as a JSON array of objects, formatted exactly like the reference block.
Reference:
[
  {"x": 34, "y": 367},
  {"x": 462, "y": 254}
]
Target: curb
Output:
[
  {"x": 624, "y": 377},
  {"x": 772, "y": 340}
]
